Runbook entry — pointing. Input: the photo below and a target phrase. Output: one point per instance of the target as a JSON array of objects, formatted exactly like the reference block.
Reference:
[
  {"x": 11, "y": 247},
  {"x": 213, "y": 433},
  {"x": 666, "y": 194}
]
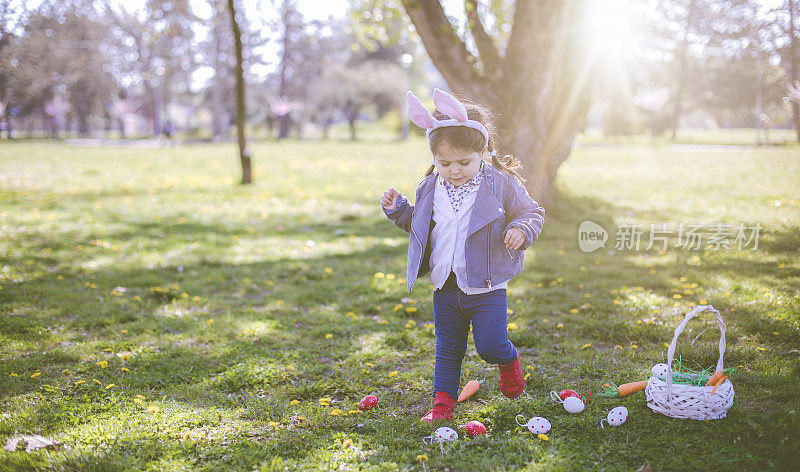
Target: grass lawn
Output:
[{"x": 155, "y": 315}]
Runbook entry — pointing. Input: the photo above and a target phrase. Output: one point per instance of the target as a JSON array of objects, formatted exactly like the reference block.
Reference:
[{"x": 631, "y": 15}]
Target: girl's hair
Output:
[{"x": 471, "y": 140}]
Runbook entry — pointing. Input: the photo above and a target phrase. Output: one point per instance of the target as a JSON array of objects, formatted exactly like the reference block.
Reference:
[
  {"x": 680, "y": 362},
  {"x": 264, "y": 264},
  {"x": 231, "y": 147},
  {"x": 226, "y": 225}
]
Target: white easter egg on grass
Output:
[
  {"x": 616, "y": 416},
  {"x": 573, "y": 404},
  {"x": 445, "y": 434},
  {"x": 538, "y": 425}
]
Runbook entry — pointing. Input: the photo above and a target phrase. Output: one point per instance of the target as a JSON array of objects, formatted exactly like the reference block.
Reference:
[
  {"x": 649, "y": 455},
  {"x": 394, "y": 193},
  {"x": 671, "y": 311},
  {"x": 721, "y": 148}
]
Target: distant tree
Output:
[
  {"x": 241, "y": 113},
  {"x": 788, "y": 23},
  {"x": 61, "y": 53},
  {"x": 348, "y": 91}
]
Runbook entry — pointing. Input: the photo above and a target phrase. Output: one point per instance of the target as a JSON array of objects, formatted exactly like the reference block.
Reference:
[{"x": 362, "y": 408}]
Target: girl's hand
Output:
[
  {"x": 514, "y": 238},
  {"x": 389, "y": 199}
]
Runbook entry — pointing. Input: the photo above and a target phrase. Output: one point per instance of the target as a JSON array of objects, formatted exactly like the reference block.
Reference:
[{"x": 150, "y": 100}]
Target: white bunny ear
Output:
[
  {"x": 449, "y": 105},
  {"x": 419, "y": 113}
]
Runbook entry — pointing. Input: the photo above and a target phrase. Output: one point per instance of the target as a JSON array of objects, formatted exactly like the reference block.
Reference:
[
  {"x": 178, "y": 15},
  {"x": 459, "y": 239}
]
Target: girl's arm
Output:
[
  {"x": 401, "y": 215},
  {"x": 524, "y": 213}
]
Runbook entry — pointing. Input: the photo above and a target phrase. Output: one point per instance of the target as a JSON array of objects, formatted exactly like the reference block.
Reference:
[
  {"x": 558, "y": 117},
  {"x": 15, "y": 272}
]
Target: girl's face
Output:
[{"x": 457, "y": 166}]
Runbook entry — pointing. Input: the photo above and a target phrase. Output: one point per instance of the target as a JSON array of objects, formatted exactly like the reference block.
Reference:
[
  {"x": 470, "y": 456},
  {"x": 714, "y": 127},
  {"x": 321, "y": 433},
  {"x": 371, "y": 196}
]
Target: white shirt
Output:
[{"x": 449, "y": 235}]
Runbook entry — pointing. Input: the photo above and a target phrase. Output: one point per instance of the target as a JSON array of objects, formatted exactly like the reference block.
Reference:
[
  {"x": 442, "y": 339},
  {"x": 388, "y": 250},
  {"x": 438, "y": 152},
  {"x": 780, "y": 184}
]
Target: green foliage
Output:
[{"x": 154, "y": 315}]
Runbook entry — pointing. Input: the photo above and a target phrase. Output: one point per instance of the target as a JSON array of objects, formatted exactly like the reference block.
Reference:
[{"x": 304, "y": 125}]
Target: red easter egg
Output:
[
  {"x": 475, "y": 428},
  {"x": 568, "y": 393},
  {"x": 368, "y": 402}
]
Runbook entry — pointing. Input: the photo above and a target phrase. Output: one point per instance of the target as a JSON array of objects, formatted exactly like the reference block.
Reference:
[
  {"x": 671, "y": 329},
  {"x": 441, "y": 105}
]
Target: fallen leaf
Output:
[{"x": 33, "y": 443}]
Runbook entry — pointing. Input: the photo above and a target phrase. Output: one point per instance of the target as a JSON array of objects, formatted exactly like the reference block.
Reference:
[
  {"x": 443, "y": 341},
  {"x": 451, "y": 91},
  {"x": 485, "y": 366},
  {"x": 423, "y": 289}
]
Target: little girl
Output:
[{"x": 470, "y": 225}]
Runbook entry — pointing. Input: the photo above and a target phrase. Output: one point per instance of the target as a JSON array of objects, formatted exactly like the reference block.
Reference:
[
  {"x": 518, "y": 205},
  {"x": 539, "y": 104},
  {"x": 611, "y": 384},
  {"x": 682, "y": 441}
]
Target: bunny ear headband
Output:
[{"x": 447, "y": 104}]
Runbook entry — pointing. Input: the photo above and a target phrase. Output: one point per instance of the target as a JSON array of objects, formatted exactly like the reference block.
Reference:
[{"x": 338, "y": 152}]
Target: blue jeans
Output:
[{"x": 452, "y": 312}]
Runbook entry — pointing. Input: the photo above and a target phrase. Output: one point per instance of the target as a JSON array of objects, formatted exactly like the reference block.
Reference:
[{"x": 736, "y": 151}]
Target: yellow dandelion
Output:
[
  {"x": 379, "y": 275},
  {"x": 666, "y": 344},
  {"x": 78, "y": 382},
  {"x": 511, "y": 326},
  {"x": 677, "y": 296},
  {"x": 35, "y": 374},
  {"x": 103, "y": 364},
  {"x": 97, "y": 382},
  {"x": 124, "y": 331},
  {"x": 12, "y": 374},
  {"x": 617, "y": 346},
  {"x": 153, "y": 409},
  {"x": 761, "y": 349},
  {"x": 328, "y": 336},
  {"x": 574, "y": 311},
  {"x": 411, "y": 309},
  {"x": 137, "y": 298},
  {"x": 527, "y": 375},
  {"x": 273, "y": 424},
  {"x": 545, "y": 320},
  {"x": 137, "y": 400},
  {"x": 328, "y": 270},
  {"x": 336, "y": 412},
  {"x": 543, "y": 437},
  {"x": 509, "y": 311},
  {"x": 389, "y": 276},
  {"x": 210, "y": 322},
  {"x": 392, "y": 373},
  {"x": 110, "y": 386},
  {"x": 559, "y": 325},
  {"x": 294, "y": 402},
  {"x": 412, "y": 322},
  {"x": 353, "y": 412},
  {"x": 397, "y": 307},
  {"x": 586, "y": 346},
  {"x": 422, "y": 457},
  {"x": 347, "y": 443},
  {"x": 634, "y": 346}
]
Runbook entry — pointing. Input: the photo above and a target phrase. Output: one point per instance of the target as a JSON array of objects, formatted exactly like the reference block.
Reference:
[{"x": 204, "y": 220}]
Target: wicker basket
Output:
[{"x": 689, "y": 401}]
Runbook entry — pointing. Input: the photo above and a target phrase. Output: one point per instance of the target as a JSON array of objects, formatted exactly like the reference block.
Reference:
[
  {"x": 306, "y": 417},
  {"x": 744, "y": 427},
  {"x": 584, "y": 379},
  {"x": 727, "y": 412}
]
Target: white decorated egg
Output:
[
  {"x": 660, "y": 371},
  {"x": 445, "y": 434},
  {"x": 536, "y": 425},
  {"x": 616, "y": 416},
  {"x": 573, "y": 404}
]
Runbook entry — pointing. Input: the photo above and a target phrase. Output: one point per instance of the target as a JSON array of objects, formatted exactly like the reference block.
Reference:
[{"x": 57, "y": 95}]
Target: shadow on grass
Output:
[{"x": 177, "y": 354}]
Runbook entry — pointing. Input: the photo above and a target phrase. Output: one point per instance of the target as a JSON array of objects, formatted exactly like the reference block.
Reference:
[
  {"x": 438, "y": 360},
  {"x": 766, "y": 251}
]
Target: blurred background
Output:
[
  {"x": 552, "y": 72},
  {"x": 115, "y": 69}
]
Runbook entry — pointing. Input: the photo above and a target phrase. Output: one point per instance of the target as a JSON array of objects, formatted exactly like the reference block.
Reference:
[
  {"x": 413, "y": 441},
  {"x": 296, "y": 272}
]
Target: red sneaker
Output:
[
  {"x": 512, "y": 381},
  {"x": 443, "y": 406}
]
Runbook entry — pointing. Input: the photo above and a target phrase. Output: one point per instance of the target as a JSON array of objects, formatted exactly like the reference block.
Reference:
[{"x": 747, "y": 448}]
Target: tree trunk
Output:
[
  {"x": 793, "y": 63},
  {"x": 538, "y": 90},
  {"x": 217, "y": 107},
  {"x": 244, "y": 156}
]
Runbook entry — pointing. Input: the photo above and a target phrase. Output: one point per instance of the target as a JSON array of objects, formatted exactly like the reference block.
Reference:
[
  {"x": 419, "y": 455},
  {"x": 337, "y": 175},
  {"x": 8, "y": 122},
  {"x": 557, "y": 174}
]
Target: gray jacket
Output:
[{"x": 502, "y": 202}]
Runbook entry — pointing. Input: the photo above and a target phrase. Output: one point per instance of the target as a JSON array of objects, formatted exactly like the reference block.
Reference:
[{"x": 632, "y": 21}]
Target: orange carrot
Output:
[
  {"x": 714, "y": 378},
  {"x": 633, "y": 387},
  {"x": 469, "y": 389},
  {"x": 719, "y": 382}
]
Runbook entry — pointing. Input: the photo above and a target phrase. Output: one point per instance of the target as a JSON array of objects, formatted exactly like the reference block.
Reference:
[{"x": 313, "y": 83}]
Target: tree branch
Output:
[
  {"x": 486, "y": 47},
  {"x": 445, "y": 48}
]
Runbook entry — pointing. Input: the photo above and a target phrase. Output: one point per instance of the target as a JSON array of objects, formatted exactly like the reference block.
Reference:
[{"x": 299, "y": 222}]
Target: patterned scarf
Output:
[{"x": 457, "y": 195}]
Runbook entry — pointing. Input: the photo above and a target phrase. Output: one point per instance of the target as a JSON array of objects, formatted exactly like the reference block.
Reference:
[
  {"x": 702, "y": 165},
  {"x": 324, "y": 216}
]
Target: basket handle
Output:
[{"x": 671, "y": 351}]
